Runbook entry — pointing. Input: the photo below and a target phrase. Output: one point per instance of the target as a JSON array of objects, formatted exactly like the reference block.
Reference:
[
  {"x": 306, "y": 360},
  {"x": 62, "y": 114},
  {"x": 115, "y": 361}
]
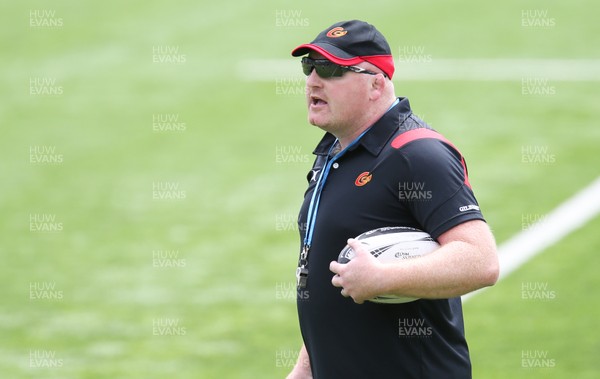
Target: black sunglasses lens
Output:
[
  {"x": 324, "y": 69},
  {"x": 307, "y": 68},
  {"x": 328, "y": 70}
]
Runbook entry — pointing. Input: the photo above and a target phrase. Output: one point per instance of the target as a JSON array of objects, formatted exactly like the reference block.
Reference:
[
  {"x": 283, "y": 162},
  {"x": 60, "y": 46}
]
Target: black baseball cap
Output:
[{"x": 351, "y": 42}]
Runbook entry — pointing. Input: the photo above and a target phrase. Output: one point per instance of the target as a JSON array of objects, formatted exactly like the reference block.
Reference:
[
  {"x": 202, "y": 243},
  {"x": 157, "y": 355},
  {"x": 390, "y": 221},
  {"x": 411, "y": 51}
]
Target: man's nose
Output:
[{"x": 313, "y": 80}]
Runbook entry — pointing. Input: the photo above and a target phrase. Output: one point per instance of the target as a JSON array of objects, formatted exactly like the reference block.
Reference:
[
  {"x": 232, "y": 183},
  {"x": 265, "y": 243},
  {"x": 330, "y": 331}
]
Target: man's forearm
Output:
[{"x": 465, "y": 262}]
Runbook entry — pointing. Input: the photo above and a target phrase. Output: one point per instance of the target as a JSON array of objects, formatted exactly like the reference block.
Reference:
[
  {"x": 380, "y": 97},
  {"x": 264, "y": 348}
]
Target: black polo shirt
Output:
[{"x": 385, "y": 179}]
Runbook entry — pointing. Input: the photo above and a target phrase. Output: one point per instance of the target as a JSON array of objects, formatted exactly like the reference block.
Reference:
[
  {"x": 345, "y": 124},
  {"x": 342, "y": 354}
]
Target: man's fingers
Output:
[
  {"x": 353, "y": 243},
  {"x": 335, "y": 267},
  {"x": 357, "y": 246},
  {"x": 336, "y": 281}
]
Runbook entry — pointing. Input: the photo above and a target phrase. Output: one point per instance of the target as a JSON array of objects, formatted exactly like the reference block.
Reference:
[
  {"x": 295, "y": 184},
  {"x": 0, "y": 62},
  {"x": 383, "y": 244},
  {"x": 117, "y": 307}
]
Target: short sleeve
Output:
[{"x": 435, "y": 186}]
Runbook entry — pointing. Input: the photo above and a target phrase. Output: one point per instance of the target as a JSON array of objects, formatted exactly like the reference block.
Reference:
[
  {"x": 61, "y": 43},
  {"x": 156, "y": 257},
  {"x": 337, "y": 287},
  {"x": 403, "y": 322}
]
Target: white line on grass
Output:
[
  {"x": 566, "y": 218},
  {"x": 488, "y": 69}
]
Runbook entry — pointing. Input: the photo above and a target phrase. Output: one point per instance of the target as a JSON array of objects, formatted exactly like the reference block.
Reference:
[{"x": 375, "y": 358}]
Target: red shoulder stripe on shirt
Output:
[{"x": 421, "y": 133}]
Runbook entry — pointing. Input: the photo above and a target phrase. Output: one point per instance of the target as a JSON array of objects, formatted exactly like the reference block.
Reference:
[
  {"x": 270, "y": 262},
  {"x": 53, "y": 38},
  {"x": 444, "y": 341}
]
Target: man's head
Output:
[
  {"x": 349, "y": 43},
  {"x": 349, "y": 68}
]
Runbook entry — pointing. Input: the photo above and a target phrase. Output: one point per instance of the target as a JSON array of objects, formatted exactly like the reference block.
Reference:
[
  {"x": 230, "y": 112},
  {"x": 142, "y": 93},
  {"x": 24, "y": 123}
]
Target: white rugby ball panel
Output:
[{"x": 392, "y": 244}]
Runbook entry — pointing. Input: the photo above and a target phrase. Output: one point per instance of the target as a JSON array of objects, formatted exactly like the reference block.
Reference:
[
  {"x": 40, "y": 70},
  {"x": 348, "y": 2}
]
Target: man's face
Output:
[{"x": 336, "y": 104}]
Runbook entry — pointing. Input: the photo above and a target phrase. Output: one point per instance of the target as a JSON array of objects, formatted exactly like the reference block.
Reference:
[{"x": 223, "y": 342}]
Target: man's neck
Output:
[{"x": 346, "y": 140}]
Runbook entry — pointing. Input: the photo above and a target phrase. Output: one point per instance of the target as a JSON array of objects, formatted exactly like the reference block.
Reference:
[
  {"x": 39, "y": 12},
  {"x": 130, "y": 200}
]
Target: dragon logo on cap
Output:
[{"x": 336, "y": 32}]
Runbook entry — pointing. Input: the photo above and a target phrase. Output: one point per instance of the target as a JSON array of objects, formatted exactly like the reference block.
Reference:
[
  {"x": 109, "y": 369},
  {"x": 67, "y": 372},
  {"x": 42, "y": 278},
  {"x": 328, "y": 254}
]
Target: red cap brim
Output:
[{"x": 384, "y": 62}]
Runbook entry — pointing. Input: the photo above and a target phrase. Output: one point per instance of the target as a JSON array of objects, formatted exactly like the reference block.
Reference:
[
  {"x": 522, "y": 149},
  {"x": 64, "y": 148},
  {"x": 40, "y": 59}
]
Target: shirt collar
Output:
[{"x": 378, "y": 134}]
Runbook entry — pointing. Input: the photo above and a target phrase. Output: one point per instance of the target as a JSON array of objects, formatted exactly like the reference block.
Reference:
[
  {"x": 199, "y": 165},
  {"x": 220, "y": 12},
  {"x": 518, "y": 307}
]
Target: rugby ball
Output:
[{"x": 392, "y": 244}]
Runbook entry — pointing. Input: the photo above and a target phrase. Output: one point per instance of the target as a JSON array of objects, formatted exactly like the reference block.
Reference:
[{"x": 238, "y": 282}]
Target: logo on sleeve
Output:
[
  {"x": 363, "y": 179},
  {"x": 470, "y": 207}
]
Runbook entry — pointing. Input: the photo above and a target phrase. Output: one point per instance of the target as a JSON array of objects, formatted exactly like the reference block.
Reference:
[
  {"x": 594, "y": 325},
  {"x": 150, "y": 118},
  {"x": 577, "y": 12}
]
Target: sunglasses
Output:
[{"x": 327, "y": 69}]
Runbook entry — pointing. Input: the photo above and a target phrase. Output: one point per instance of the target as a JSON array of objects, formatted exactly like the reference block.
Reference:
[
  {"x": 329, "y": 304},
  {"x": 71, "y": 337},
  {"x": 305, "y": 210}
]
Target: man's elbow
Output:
[{"x": 490, "y": 270}]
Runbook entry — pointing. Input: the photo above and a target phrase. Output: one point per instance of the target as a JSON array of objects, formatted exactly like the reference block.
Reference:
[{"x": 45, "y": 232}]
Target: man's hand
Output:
[{"x": 358, "y": 278}]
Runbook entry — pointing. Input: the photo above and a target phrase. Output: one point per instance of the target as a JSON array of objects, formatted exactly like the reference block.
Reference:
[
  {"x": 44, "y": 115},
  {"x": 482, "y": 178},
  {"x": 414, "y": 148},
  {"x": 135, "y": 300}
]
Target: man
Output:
[{"x": 374, "y": 153}]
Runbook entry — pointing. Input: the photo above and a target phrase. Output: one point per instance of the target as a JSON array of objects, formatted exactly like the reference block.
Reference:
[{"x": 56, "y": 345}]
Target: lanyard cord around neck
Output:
[{"x": 313, "y": 207}]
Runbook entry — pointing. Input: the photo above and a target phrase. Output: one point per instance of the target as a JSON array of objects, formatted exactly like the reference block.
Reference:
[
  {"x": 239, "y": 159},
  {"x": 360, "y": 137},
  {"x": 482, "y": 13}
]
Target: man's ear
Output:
[{"x": 378, "y": 84}]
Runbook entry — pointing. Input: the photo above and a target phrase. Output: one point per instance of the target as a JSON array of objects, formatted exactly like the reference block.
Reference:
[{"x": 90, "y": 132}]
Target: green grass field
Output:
[{"x": 151, "y": 189}]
